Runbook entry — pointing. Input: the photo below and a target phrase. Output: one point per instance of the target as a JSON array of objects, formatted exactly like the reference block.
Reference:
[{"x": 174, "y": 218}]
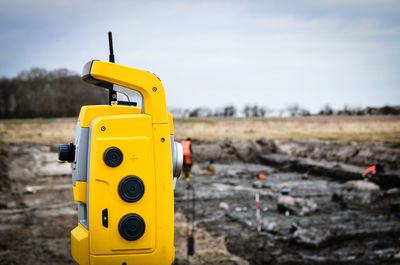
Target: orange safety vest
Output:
[
  {"x": 371, "y": 169},
  {"x": 186, "y": 151}
]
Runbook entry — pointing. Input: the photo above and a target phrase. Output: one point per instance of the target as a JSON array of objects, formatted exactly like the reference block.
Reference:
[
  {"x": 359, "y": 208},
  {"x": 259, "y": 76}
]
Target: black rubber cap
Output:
[
  {"x": 131, "y": 227},
  {"x": 66, "y": 152},
  {"x": 131, "y": 189},
  {"x": 113, "y": 157}
]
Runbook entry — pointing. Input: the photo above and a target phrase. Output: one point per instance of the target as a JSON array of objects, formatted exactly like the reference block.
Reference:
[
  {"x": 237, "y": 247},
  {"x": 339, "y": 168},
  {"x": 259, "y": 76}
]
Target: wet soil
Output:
[
  {"x": 37, "y": 211},
  {"x": 334, "y": 233},
  {"x": 361, "y": 154}
]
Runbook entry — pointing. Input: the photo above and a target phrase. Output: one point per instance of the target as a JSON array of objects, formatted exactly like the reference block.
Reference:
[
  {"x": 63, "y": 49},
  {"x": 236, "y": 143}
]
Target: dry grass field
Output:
[
  {"x": 339, "y": 128},
  {"x": 377, "y": 128}
]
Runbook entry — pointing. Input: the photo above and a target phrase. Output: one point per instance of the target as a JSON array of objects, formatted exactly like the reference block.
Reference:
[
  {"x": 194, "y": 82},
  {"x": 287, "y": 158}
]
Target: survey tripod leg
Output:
[{"x": 190, "y": 216}]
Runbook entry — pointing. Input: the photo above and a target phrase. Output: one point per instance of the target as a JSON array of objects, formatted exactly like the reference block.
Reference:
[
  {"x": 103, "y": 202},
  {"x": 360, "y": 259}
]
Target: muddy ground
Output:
[{"x": 331, "y": 216}]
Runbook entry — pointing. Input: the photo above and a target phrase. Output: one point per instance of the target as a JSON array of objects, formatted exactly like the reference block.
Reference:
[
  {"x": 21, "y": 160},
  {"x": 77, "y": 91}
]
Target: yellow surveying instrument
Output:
[{"x": 124, "y": 162}]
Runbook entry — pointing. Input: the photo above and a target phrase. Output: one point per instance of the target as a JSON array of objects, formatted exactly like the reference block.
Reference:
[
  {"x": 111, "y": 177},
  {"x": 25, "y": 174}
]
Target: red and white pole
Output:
[{"x": 258, "y": 212}]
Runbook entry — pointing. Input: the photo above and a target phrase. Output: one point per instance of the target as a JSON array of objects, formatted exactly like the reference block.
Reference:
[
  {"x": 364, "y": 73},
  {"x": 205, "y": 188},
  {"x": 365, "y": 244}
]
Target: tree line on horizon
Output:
[
  {"x": 61, "y": 93},
  {"x": 293, "y": 110},
  {"x": 42, "y": 93}
]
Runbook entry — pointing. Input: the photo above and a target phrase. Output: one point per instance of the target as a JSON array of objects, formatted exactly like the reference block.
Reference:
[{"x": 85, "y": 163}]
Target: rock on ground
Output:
[
  {"x": 310, "y": 237},
  {"x": 357, "y": 191},
  {"x": 360, "y": 185},
  {"x": 297, "y": 206}
]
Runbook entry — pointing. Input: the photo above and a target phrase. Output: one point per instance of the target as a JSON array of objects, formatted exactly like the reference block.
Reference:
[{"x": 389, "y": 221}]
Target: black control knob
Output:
[
  {"x": 131, "y": 189},
  {"x": 66, "y": 152},
  {"x": 131, "y": 227},
  {"x": 113, "y": 157}
]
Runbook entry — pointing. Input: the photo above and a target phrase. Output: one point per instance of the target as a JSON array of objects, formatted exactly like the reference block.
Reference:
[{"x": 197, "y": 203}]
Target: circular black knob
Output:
[
  {"x": 66, "y": 152},
  {"x": 131, "y": 227},
  {"x": 113, "y": 157},
  {"x": 131, "y": 189}
]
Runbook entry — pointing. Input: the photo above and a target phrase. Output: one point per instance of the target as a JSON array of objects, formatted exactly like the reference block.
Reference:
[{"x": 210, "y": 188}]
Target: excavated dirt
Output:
[
  {"x": 331, "y": 216},
  {"x": 321, "y": 228},
  {"x": 356, "y": 153},
  {"x": 37, "y": 212}
]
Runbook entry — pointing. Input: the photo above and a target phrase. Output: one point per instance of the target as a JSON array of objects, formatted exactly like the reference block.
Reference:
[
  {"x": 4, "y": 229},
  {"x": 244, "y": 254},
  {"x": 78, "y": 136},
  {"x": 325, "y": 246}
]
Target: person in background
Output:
[
  {"x": 187, "y": 158},
  {"x": 373, "y": 170}
]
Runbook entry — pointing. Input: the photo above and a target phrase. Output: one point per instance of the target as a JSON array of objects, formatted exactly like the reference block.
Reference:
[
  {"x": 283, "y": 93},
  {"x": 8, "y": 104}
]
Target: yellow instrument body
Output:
[{"x": 143, "y": 137}]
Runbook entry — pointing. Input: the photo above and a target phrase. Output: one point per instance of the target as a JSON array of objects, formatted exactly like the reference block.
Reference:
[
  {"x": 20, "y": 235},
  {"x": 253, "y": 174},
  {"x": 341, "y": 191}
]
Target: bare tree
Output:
[
  {"x": 247, "y": 111},
  {"x": 293, "y": 110},
  {"x": 39, "y": 93},
  {"x": 262, "y": 111},
  {"x": 326, "y": 110},
  {"x": 254, "y": 111},
  {"x": 304, "y": 112},
  {"x": 229, "y": 111},
  {"x": 194, "y": 113},
  {"x": 7, "y": 88}
]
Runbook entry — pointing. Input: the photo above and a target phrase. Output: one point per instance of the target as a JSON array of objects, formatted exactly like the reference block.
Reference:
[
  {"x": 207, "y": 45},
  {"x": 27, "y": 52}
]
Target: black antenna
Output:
[
  {"x": 112, "y": 95},
  {"x": 110, "y": 42}
]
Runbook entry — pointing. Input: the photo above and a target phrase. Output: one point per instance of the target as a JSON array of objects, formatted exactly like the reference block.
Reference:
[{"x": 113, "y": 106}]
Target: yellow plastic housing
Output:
[
  {"x": 89, "y": 113},
  {"x": 146, "y": 152},
  {"x": 147, "y": 84},
  {"x": 80, "y": 245},
  {"x": 79, "y": 191},
  {"x": 143, "y": 137}
]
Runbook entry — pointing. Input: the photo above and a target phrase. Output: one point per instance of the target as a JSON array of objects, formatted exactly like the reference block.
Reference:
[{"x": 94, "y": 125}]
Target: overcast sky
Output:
[{"x": 213, "y": 53}]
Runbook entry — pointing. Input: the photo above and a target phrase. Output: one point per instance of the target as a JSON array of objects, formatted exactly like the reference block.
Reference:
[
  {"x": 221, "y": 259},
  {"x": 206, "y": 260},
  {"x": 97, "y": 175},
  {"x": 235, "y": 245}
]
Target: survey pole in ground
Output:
[{"x": 258, "y": 212}]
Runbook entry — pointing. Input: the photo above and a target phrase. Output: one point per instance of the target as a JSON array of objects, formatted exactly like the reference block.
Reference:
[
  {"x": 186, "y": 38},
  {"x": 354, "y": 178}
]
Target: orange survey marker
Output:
[{"x": 261, "y": 176}]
